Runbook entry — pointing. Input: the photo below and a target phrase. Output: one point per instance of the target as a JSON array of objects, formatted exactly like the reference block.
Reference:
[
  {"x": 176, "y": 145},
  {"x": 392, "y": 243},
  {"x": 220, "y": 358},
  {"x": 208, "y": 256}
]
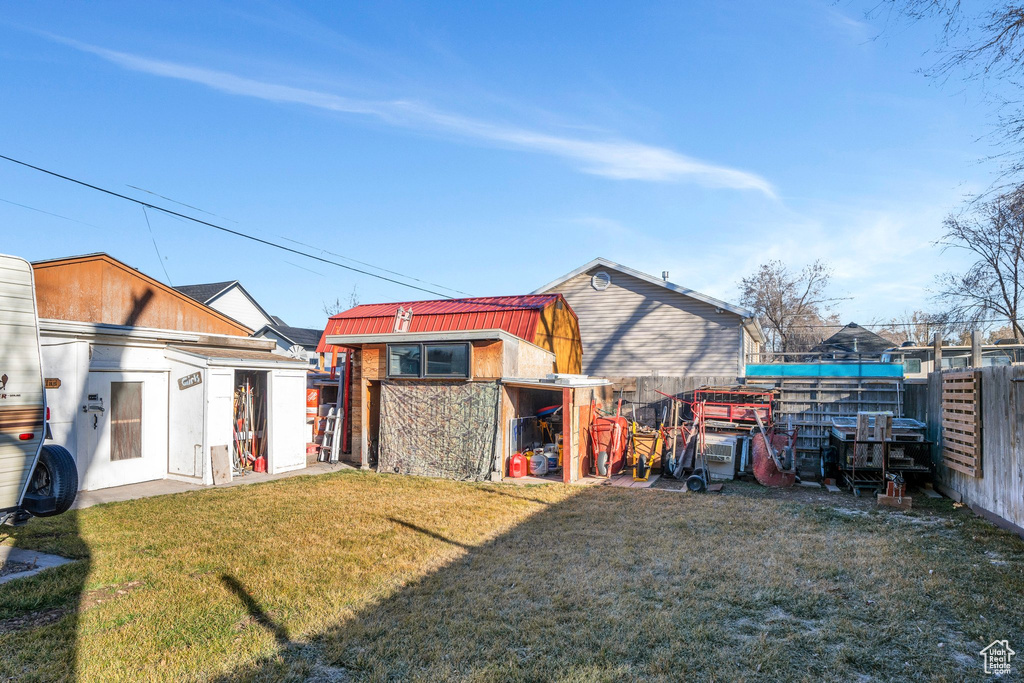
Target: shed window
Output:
[
  {"x": 125, "y": 420},
  {"x": 428, "y": 360},
  {"x": 912, "y": 366},
  {"x": 404, "y": 360},
  {"x": 447, "y": 360}
]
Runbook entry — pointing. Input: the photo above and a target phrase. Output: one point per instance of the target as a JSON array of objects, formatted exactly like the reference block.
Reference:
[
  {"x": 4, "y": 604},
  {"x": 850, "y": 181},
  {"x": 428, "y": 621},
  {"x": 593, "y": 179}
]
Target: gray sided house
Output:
[{"x": 636, "y": 325}]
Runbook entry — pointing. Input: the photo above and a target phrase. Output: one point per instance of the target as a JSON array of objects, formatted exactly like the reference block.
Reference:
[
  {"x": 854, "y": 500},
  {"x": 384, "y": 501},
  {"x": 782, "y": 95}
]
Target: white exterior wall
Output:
[
  {"x": 237, "y": 306},
  {"x": 86, "y": 368},
  {"x": 637, "y": 328}
]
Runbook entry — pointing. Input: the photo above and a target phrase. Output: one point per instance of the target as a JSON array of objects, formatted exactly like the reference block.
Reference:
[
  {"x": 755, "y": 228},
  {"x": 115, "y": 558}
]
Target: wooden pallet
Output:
[{"x": 961, "y": 422}]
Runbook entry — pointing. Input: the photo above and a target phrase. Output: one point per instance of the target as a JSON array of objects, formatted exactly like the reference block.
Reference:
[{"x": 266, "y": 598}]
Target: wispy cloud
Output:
[{"x": 619, "y": 159}]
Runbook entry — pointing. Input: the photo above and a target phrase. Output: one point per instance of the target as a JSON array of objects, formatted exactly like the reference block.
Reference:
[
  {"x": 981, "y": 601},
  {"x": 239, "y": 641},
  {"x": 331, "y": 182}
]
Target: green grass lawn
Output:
[{"x": 366, "y": 576}]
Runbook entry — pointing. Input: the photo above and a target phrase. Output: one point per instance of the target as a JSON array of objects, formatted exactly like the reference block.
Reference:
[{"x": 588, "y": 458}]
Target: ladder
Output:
[{"x": 329, "y": 449}]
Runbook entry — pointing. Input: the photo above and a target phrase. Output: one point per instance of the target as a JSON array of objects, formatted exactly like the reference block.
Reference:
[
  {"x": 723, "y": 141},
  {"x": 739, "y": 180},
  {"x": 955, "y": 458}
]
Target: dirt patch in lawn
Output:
[
  {"x": 44, "y": 617},
  {"x": 12, "y": 567}
]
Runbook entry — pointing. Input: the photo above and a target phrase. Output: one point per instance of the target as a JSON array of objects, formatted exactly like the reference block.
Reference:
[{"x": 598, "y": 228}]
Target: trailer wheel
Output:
[{"x": 55, "y": 475}]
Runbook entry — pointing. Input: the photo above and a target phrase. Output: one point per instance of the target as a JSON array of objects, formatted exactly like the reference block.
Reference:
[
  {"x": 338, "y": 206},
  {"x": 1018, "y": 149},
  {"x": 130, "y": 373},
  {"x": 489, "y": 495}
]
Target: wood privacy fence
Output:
[
  {"x": 643, "y": 391},
  {"x": 811, "y": 403},
  {"x": 976, "y": 419}
]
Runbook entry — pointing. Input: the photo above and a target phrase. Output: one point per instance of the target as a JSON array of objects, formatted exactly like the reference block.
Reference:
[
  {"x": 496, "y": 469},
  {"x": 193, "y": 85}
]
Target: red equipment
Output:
[
  {"x": 608, "y": 444},
  {"x": 766, "y": 470},
  {"x": 260, "y": 464},
  {"x": 735, "y": 406},
  {"x": 517, "y": 465}
]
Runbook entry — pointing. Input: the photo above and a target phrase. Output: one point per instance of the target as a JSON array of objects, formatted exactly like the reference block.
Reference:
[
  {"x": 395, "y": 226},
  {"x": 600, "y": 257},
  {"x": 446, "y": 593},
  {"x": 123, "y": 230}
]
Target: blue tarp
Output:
[{"x": 894, "y": 370}]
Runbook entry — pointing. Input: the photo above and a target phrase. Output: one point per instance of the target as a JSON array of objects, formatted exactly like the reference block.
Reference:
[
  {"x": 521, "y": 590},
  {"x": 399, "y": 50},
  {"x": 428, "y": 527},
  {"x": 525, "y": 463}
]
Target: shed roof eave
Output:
[{"x": 356, "y": 340}]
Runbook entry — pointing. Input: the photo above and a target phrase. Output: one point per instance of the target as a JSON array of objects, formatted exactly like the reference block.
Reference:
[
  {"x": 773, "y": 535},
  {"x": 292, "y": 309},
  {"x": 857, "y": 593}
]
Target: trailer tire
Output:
[{"x": 55, "y": 475}]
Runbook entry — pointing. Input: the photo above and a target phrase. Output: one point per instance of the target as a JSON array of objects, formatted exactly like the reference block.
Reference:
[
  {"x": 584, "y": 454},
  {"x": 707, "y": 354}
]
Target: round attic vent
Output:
[{"x": 600, "y": 280}]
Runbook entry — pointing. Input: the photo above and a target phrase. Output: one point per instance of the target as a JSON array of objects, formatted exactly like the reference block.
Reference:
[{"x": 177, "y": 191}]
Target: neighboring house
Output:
[
  {"x": 633, "y": 324},
  {"x": 298, "y": 342},
  {"x": 453, "y": 390},
  {"x": 918, "y": 361},
  {"x": 853, "y": 342},
  {"x": 141, "y": 379},
  {"x": 231, "y": 299}
]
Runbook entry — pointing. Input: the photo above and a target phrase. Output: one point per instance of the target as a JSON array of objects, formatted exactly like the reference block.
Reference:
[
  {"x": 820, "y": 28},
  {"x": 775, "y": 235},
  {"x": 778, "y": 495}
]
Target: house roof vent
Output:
[{"x": 600, "y": 280}]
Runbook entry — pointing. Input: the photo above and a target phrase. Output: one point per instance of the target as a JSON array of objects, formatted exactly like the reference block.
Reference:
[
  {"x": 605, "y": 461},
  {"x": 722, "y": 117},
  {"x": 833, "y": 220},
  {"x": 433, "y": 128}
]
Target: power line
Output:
[
  {"x": 49, "y": 213},
  {"x": 175, "y": 201},
  {"x": 237, "y": 233},
  {"x": 158, "y": 256}
]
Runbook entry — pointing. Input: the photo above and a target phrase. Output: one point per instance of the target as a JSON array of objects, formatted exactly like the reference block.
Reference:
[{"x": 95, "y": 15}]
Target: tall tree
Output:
[
  {"x": 788, "y": 304},
  {"x": 991, "y": 290}
]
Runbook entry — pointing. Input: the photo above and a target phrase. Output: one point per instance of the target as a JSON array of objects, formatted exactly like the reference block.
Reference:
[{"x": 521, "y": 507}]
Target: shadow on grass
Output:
[
  {"x": 428, "y": 532},
  {"x": 50, "y": 600},
  {"x": 257, "y": 613}
]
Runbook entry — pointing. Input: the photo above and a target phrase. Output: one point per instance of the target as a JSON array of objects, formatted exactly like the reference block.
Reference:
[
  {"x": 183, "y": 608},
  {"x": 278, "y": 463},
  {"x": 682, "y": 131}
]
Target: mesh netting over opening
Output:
[{"x": 438, "y": 429}]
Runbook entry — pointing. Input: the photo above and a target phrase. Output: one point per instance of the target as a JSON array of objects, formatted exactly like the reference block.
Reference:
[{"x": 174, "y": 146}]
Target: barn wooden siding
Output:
[
  {"x": 999, "y": 491},
  {"x": 559, "y": 332},
  {"x": 636, "y": 328}
]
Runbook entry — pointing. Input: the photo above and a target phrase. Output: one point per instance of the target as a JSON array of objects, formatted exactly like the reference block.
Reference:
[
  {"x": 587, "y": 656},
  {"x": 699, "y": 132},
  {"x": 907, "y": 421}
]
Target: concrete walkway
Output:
[{"x": 163, "y": 487}]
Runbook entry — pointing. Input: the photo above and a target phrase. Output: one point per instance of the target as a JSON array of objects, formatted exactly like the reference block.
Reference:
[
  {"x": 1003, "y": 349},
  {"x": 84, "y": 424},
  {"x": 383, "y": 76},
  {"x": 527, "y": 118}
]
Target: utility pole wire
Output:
[
  {"x": 220, "y": 227},
  {"x": 158, "y": 256}
]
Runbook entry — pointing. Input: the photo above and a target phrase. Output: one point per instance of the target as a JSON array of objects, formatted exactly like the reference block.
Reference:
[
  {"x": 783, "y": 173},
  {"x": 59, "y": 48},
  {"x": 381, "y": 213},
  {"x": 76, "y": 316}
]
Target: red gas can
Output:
[
  {"x": 260, "y": 465},
  {"x": 517, "y": 465}
]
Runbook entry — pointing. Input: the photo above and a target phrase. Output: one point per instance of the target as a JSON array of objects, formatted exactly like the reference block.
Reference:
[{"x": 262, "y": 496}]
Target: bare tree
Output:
[
  {"x": 993, "y": 286},
  {"x": 917, "y": 327},
  {"x": 788, "y": 304},
  {"x": 336, "y": 306},
  {"x": 980, "y": 44}
]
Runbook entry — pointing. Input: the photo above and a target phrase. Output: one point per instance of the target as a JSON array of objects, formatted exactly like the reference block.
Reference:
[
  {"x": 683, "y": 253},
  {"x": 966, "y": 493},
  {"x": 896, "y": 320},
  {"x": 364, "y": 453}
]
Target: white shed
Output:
[{"x": 137, "y": 404}]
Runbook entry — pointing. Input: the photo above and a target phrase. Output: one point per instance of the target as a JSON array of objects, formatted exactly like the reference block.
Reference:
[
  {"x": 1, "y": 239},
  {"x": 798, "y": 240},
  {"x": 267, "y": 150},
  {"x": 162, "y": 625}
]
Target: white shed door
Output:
[
  {"x": 287, "y": 421},
  {"x": 124, "y": 429}
]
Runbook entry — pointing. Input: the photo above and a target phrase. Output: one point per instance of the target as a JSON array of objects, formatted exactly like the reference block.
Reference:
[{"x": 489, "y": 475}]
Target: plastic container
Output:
[
  {"x": 517, "y": 465},
  {"x": 539, "y": 465}
]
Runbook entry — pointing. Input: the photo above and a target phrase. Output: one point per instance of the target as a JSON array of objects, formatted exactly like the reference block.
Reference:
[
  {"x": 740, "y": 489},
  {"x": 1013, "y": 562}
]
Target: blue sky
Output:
[{"x": 487, "y": 147}]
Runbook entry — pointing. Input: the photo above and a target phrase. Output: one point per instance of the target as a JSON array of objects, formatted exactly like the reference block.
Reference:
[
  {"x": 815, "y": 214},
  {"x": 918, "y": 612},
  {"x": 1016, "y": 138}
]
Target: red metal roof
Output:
[{"x": 517, "y": 315}]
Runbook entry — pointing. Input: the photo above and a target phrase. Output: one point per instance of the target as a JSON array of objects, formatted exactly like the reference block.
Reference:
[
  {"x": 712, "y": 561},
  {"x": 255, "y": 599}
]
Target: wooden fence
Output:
[
  {"x": 811, "y": 403},
  {"x": 986, "y": 471},
  {"x": 643, "y": 391}
]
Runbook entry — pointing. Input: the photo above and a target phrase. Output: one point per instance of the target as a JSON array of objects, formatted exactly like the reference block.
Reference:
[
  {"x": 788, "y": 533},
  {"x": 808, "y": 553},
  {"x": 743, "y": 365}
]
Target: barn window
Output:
[
  {"x": 125, "y": 420},
  {"x": 404, "y": 360},
  {"x": 428, "y": 360},
  {"x": 447, "y": 360}
]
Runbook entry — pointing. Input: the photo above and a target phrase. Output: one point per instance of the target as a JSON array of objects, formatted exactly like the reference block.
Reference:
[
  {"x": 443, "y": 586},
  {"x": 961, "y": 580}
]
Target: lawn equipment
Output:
[
  {"x": 646, "y": 448},
  {"x": 774, "y": 456},
  {"x": 608, "y": 442}
]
